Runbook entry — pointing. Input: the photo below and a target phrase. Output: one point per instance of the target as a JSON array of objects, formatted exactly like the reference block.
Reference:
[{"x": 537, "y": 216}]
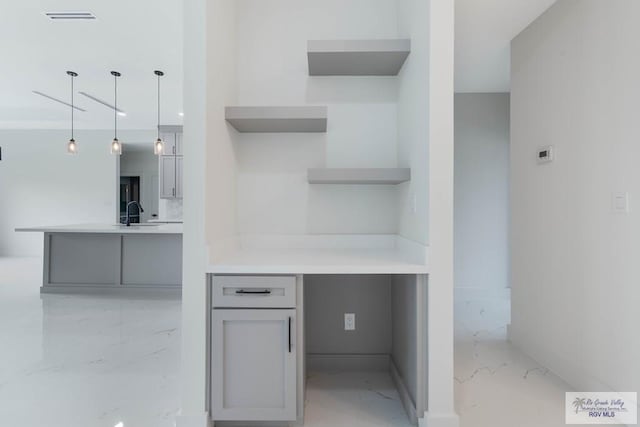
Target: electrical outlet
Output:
[{"x": 349, "y": 321}]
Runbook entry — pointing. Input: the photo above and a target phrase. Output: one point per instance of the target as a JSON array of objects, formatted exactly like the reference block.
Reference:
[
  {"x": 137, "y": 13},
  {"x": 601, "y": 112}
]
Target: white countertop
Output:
[
  {"x": 107, "y": 229},
  {"x": 317, "y": 261},
  {"x": 318, "y": 254},
  {"x": 168, "y": 221}
]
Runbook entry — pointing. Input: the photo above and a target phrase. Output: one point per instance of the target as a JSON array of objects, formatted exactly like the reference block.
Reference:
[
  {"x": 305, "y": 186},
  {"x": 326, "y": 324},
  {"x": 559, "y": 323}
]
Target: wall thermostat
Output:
[{"x": 545, "y": 154}]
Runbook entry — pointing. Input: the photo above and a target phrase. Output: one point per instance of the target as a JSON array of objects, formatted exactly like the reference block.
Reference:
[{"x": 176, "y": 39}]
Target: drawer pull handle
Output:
[
  {"x": 259, "y": 292},
  {"x": 289, "y": 334}
]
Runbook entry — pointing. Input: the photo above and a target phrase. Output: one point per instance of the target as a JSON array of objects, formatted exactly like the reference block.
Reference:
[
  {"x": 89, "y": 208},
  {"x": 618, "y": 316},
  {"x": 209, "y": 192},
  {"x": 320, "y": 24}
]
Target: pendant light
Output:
[
  {"x": 158, "y": 146},
  {"x": 116, "y": 146},
  {"x": 72, "y": 147}
]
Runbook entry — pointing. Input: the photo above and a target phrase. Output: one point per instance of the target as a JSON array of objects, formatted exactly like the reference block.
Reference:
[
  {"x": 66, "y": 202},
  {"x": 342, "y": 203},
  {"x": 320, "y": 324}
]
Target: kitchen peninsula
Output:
[{"x": 103, "y": 257}]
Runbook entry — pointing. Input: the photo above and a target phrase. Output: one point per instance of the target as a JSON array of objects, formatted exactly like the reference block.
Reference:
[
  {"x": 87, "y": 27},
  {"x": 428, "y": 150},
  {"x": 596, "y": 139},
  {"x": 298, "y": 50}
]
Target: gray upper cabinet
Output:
[
  {"x": 168, "y": 177},
  {"x": 169, "y": 142},
  {"x": 172, "y": 137},
  {"x": 171, "y": 162},
  {"x": 179, "y": 164},
  {"x": 178, "y": 144},
  {"x": 253, "y": 366}
]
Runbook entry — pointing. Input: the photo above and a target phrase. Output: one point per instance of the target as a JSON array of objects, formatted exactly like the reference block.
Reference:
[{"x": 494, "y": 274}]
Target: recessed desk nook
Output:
[
  {"x": 281, "y": 334},
  {"x": 317, "y": 214}
]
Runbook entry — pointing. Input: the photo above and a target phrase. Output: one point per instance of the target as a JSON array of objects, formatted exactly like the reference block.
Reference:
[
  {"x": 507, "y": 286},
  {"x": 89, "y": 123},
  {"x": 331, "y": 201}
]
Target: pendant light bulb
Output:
[
  {"x": 72, "y": 147},
  {"x": 158, "y": 146},
  {"x": 116, "y": 146}
]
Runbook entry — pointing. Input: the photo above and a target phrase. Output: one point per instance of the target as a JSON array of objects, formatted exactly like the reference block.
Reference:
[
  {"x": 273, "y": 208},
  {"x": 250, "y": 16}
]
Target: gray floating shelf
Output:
[
  {"x": 278, "y": 119},
  {"x": 357, "y": 57},
  {"x": 365, "y": 176}
]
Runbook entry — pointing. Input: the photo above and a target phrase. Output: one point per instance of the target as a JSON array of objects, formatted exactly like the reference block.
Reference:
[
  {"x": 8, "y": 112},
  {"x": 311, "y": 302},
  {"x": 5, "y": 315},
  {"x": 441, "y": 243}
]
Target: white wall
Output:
[
  {"x": 42, "y": 185},
  {"x": 574, "y": 261},
  {"x": 404, "y": 351},
  {"x": 482, "y": 190},
  {"x": 220, "y": 83},
  {"x": 198, "y": 14},
  {"x": 413, "y": 121},
  {"x": 145, "y": 165},
  {"x": 273, "y": 194},
  {"x": 440, "y": 288}
]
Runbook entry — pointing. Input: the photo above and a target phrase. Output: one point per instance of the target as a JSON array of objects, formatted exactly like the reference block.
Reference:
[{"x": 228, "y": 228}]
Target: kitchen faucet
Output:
[{"x": 140, "y": 210}]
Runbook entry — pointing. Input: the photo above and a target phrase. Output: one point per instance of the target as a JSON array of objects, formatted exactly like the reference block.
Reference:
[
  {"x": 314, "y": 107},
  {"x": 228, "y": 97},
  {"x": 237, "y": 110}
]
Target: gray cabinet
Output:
[
  {"x": 169, "y": 143},
  {"x": 110, "y": 261},
  {"x": 171, "y": 163},
  {"x": 179, "y": 181},
  {"x": 253, "y": 365},
  {"x": 172, "y": 138},
  {"x": 168, "y": 177},
  {"x": 178, "y": 144}
]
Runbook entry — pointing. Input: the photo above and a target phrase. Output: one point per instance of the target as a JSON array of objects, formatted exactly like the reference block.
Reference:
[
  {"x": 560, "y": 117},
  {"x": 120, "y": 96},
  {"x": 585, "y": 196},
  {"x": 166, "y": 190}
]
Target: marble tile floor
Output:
[
  {"x": 495, "y": 384},
  {"x": 96, "y": 361},
  {"x": 353, "y": 399},
  {"x": 84, "y": 361}
]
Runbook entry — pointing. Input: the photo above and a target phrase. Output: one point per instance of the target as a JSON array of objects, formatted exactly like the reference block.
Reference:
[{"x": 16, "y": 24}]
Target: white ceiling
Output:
[
  {"x": 133, "y": 37},
  {"x": 484, "y": 30},
  {"x": 137, "y": 37}
]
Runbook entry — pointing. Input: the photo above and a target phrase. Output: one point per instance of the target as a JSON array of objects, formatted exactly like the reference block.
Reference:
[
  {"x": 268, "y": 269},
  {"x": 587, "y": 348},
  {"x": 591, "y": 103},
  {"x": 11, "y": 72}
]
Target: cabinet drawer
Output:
[{"x": 254, "y": 291}]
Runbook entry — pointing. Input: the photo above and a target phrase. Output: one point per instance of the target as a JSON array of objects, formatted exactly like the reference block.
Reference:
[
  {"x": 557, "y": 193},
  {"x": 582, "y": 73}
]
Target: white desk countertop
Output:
[
  {"x": 317, "y": 261},
  {"x": 319, "y": 254},
  {"x": 107, "y": 229}
]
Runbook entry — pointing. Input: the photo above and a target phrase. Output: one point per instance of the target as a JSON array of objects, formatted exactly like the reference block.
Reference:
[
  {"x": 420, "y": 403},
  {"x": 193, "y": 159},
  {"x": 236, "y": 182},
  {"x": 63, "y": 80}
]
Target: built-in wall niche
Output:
[{"x": 319, "y": 129}]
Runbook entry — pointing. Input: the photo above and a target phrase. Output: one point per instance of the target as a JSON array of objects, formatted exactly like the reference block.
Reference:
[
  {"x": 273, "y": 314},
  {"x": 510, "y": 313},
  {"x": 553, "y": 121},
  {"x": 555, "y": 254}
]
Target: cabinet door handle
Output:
[
  {"x": 289, "y": 334},
  {"x": 173, "y": 191},
  {"x": 250, "y": 292}
]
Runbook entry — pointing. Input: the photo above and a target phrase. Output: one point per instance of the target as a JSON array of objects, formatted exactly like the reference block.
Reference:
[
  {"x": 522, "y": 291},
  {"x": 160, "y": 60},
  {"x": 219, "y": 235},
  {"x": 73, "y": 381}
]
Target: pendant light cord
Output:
[
  {"x": 158, "y": 106},
  {"x": 115, "y": 109},
  {"x": 72, "y": 108}
]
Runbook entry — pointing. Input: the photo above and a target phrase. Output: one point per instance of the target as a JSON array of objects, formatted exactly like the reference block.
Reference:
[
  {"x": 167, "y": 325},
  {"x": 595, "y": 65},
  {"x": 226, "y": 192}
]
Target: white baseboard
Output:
[
  {"x": 347, "y": 362},
  {"x": 439, "y": 420},
  {"x": 405, "y": 396},
  {"x": 200, "y": 420}
]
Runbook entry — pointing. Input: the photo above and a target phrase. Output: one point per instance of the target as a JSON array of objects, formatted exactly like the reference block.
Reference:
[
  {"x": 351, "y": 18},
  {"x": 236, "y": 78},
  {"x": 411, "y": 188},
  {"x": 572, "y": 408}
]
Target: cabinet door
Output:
[
  {"x": 253, "y": 365},
  {"x": 179, "y": 177},
  {"x": 178, "y": 144},
  {"x": 167, "y": 177},
  {"x": 169, "y": 141}
]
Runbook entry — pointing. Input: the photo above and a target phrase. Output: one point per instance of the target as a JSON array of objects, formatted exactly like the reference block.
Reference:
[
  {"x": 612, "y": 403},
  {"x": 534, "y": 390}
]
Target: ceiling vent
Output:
[{"x": 70, "y": 16}]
